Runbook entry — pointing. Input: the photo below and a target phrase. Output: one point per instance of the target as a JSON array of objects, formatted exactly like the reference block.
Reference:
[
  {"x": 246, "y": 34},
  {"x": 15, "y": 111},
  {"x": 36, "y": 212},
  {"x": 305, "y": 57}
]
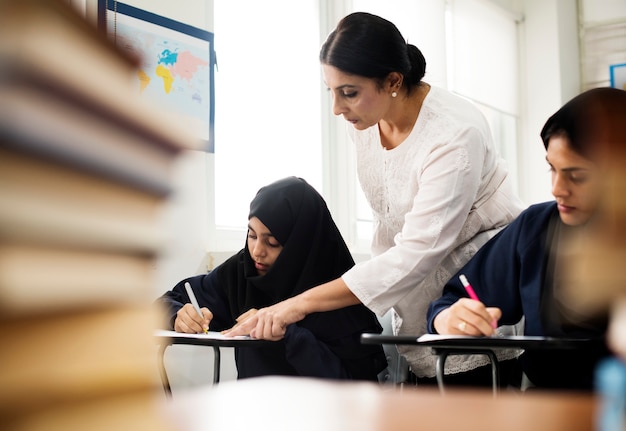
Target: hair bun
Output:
[{"x": 418, "y": 64}]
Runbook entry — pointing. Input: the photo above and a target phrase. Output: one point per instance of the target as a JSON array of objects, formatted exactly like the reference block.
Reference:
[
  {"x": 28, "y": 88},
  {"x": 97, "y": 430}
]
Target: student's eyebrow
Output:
[
  {"x": 574, "y": 169},
  {"x": 570, "y": 169},
  {"x": 267, "y": 234}
]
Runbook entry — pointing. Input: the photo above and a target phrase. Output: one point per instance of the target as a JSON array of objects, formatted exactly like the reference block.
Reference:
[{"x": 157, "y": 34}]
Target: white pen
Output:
[{"x": 194, "y": 301}]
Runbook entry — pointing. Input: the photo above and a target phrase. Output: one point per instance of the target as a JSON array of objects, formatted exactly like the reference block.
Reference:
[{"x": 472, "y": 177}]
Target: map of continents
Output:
[
  {"x": 174, "y": 65},
  {"x": 174, "y": 72}
]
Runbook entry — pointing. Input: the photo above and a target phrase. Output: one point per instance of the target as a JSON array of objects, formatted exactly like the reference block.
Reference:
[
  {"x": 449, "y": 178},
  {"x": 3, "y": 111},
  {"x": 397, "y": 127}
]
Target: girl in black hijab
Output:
[{"x": 292, "y": 245}]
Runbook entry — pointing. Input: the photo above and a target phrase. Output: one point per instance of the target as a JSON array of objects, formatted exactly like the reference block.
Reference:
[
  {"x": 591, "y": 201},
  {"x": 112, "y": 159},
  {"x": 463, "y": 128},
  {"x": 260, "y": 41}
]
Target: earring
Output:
[{"x": 395, "y": 93}]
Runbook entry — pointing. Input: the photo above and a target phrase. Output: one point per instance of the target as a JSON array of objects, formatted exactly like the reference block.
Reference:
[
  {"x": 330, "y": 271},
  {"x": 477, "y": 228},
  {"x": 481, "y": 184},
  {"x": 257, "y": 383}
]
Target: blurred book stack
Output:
[{"x": 85, "y": 172}]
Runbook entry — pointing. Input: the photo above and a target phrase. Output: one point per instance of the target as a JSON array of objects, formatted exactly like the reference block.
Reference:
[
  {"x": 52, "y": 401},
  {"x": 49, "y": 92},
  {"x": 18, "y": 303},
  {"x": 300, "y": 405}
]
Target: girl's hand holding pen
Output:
[
  {"x": 189, "y": 321},
  {"x": 467, "y": 317}
]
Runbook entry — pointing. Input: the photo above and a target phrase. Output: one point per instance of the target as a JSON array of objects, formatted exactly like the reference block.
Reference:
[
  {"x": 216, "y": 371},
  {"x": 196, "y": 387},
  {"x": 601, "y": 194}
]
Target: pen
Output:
[
  {"x": 470, "y": 291},
  {"x": 194, "y": 301},
  {"x": 468, "y": 287}
]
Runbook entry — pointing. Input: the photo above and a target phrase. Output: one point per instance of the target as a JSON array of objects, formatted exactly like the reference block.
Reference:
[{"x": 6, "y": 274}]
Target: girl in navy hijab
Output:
[{"x": 292, "y": 245}]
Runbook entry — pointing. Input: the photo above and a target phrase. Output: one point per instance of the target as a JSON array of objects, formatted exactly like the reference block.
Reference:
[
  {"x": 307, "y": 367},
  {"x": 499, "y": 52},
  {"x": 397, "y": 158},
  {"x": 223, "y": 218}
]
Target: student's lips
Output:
[
  {"x": 260, "y": 266},
  {"x": 565, "y": 209}
]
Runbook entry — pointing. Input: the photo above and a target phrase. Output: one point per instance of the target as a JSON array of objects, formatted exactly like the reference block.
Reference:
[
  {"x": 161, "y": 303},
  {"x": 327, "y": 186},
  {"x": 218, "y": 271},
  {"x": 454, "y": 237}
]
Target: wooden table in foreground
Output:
[
  {"x": 283, "y": 403},
  {"x": 478, "y": 410}
]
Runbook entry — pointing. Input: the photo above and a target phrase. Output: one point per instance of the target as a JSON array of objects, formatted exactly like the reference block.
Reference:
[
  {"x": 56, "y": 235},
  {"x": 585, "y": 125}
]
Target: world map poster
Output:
[{"x": 177, "y": 62}]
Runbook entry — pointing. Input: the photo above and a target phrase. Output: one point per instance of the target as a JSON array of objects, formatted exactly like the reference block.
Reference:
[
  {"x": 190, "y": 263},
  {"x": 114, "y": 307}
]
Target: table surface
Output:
[
  {"x": 214, "y": 339},
  {"x": 284, "y": 403}
]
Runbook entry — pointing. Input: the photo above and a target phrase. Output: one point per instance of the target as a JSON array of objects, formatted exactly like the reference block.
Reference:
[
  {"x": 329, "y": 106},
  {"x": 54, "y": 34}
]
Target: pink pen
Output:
[{"x": 470, "y": 291}]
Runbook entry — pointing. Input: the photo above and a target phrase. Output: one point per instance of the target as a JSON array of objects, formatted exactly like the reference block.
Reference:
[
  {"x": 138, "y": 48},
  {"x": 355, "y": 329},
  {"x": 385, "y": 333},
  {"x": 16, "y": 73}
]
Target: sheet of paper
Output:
[
  {"x": 211, "y": 335},
  {"x": 438, "y": 337}
]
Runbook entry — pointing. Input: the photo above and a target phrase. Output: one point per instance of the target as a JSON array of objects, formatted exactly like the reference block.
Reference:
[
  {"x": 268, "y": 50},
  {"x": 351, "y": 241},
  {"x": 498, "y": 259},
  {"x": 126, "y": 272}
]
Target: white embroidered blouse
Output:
[{"x": 436, "y": 198}]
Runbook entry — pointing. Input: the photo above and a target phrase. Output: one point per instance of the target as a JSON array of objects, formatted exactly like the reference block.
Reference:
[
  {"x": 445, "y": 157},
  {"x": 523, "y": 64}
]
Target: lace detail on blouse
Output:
[
  {"x": 436, "y": 226},
  {"x": 462, "y": 162},
  {"x": 421, "y": 193}
]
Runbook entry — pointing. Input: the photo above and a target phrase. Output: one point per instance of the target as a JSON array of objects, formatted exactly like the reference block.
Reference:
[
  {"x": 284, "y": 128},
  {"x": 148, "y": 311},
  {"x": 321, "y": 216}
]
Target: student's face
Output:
[
  {"x": 575, "y": 182},
  {"x": 262, "y": 245},
  {"x": 358, "y": 99}
]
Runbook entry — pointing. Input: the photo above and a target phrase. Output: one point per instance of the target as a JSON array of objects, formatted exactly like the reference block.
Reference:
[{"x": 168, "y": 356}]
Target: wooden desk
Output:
[
  {"x": 212, "y": 339},
  {"x": 444, "y": 346},
  {"x": 303, "y": 404}
]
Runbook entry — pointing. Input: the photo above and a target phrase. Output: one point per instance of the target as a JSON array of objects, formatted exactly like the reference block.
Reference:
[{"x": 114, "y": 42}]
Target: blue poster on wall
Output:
[
  {"x": 618, "y": 76},
  {"x": 177, "y": 63}
]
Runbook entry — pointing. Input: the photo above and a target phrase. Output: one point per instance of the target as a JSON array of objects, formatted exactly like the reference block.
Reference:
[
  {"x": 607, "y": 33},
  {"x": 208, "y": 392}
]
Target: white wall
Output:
[
  {"x": 187, "y": 217},
  {"x": 549, "y": 77}
]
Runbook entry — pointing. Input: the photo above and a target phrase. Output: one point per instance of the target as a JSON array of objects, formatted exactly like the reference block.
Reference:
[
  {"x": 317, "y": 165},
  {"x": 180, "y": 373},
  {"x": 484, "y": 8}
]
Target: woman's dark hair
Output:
[
  {"x": 594, "y": 122},
  {"x": 368, "y": 45}
]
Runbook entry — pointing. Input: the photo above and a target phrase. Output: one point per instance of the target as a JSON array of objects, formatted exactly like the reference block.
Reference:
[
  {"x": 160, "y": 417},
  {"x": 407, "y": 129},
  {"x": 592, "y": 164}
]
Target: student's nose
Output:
[
  {"x": 559, "y": 186},
  {"x": 258, "y": 250}
]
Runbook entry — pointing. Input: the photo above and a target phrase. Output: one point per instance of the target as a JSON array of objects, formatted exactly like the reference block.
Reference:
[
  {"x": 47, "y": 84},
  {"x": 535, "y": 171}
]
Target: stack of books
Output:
[{"x": 85, "y": 174}]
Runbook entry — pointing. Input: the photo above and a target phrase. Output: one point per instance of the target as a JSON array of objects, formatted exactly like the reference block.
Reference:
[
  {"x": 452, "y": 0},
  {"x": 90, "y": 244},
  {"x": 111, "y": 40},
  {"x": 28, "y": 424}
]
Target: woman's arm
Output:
[{"x": 271, "y": 322}]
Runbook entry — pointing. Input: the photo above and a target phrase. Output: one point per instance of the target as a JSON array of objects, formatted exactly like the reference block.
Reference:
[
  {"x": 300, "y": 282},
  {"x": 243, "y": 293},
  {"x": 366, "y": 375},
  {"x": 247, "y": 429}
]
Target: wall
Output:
[
  {"x": 553, "y": 72},
  {"x": 550, "y": 76},
  {"x": 603, "y": 39},
  {"x": 187, "y": 218}
]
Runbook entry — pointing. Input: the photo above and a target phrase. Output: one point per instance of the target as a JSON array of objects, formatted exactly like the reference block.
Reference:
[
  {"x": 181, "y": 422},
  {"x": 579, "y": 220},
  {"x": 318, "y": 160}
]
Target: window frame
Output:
[{"x": 339, "y": 178}]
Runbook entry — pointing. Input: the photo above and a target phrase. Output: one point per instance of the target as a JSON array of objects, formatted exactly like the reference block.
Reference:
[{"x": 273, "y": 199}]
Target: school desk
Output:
[
  {"x": 449, "y": 345},
  {"x": 212, "y": 339}
]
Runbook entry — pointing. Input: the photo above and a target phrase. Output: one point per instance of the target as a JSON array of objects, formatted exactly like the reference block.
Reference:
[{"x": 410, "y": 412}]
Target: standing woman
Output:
[
  {"x": 430, "y": 171},
  {"x": 292, "y": 244}
]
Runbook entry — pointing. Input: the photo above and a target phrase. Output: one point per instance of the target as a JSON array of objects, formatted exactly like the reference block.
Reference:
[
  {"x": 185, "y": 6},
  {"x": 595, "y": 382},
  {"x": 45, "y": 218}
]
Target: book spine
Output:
[
  {"x": 36, "y": 279},
  {"x": 78, "y": 138},
  {"x": 80, "y": 355},
  {"x": 42, "y": 202}
]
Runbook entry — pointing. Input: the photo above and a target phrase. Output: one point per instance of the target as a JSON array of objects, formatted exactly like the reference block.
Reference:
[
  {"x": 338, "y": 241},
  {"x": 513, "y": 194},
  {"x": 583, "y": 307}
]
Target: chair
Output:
[{"x": 397, "y": 371}]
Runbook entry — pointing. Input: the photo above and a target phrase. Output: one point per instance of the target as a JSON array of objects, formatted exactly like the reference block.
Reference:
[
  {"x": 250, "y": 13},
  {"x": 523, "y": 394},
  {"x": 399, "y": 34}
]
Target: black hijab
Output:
[{"x": 313, "y": 253}]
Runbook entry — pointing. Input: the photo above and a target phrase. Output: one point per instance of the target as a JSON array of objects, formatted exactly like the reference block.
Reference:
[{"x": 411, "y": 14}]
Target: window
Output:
[
  {"x": 273, "y": 115},
  {"x": 267, "y": 118}
]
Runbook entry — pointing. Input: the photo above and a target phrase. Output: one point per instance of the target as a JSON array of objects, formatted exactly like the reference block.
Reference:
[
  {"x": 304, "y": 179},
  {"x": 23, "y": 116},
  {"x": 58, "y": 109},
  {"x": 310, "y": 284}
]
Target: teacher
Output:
[{"x": 431, "y": 173}]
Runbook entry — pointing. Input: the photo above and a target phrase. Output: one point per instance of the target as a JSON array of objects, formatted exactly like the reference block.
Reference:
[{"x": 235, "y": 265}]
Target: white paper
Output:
[{"x": 211, "y": 335}]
